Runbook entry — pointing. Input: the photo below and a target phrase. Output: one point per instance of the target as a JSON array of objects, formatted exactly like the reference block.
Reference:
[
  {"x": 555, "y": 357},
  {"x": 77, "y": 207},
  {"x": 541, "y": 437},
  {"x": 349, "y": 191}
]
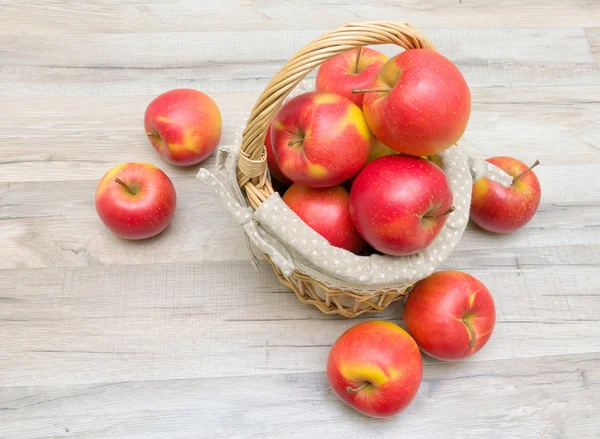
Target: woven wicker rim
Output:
[{"x": 252, "y": 166}]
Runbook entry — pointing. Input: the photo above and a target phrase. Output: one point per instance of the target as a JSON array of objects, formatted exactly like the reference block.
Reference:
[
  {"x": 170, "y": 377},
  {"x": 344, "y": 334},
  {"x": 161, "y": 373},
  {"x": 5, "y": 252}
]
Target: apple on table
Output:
[
  {"x": 136, "y": 200},
  {"x": 376, "y": 368},
  {"x": 450, "y": 314},
  {"x": 183, "y": 125},
  {"x": 502, "y": 209}
]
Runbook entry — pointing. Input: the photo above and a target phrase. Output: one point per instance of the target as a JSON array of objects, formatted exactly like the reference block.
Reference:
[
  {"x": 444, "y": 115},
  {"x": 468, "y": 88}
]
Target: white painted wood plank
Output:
[
  {"x": 190, "y": 15},
  {"x": 187, "y": 320},
  {"x": 74, "y": 139},
  {"x": 593, "y": 36},
  {"x": 126, "y": 64},
  {"x": 37, "y": 231},
  {"x": 554, "y": 398}
]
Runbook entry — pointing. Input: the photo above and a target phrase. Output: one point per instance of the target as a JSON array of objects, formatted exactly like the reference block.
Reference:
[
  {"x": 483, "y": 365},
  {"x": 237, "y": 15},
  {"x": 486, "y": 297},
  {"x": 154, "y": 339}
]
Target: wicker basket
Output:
[{"x": 252, "y": 174}]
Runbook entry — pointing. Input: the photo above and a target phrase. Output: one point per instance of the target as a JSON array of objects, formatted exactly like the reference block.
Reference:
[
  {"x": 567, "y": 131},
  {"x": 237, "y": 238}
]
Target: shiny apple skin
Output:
[
  {"x": 143, "y": 214},
  {"x": 390, "y": 199},
  {"x": 440, "y": 309},
  {"x": 385, "y": 359},
  {"x": 503, "y": 210},
  {"x": 427, "y": 107},
  {"x": 327, "y": 212}
]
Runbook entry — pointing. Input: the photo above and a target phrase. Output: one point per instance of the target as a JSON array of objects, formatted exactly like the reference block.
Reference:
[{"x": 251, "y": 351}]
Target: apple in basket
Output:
[
  {"x": 183, "y": 126},
  {"x": 503, "y": 209},
  {"x": 135, "y": 200},
  {"x": 376, "y": 368},
  {"x": 419, "y": 104},
  {"x": 400, "y": 203},
  {"x": 356, "y": 68},
  {"x": 326, "y": 211},
  {"x": 272, "y": 162},
  {"x": 450, "y": 314},
  {"x": 320, "y": 139}
]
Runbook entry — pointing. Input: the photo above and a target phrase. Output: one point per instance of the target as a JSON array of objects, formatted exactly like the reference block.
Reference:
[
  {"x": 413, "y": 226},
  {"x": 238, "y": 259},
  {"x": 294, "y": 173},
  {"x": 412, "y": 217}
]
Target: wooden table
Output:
[{"x": 178, "y": 336}]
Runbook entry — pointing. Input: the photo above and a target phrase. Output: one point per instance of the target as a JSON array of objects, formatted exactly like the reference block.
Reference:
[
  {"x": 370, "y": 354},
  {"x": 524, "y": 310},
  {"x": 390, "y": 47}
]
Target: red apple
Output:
[
  {"x": 327, "y": 212},
  {"x": 183, "y": 125},
  {"x": 450, "y": 314},
  {"x": 376, "y": 368},
  {"x": 272, "y": 162},
  {"x": 502, "y": 209},
  {"x": 320, "y": 139},
  {"x": 419, "y": 104},
  {"x": 400, "y": 203},
  {"x": 356, "y": 68},
  {"x": 135, "y": 200}
]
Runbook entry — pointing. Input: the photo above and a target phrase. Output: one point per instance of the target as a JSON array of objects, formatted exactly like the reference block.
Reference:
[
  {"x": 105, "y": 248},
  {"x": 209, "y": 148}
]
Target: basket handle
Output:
[{"x": 252, "y": 166}]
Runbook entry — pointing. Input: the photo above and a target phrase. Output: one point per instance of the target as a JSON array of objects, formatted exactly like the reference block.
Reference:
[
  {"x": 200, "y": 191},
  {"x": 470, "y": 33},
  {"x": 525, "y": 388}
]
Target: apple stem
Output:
[
  {"x": 449, "y": 211},
  {"x": 358, "y": 389},
  {"x": 294, "y": 142},
  {"x": 131, "y": 191},
  {"x": 537, "y": 162},
  {"x": 151, "y": 135},
  {"x": 357, "y": 60},
  {"x": 370, "y": 90},
  {"x": 472, "y": 335}
]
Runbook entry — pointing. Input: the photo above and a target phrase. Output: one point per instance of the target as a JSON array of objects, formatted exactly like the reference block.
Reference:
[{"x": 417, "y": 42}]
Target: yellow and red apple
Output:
[
  {"x": 399, "y": 203},
  {"x": 326, "y": 211},
  {"x": 376, "y": 368},
  {"x": 320, "y": 139},
  {"x": 450, "y": 314},
  {"x": 356, "y": 68},
  {"x": 502, "y": 209},
  {"x": 419, "y": 104},
  {"x": 136, "y": 200},
  {"x": 183, "y": 126}
]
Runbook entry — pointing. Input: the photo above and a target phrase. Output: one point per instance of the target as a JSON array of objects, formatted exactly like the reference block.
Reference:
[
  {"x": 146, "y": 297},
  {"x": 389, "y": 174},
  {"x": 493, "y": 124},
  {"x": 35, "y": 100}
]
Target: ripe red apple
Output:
[
  {"x": 272, "y": 162},
  {"x": 356, "y": 68},
  {"x": 327, "y": 212},
  {"x": 135, "y": 200},
  {"x": 400, "y": 203},
  {"x": 450, "y": 315},
  {"x": 376, "y": 368},
  {"x": 320, "y": 139},
  {"x": 183, "y": 125},
  {"x": 419, "y": 104},
  {"x": 502, "y": 209}
]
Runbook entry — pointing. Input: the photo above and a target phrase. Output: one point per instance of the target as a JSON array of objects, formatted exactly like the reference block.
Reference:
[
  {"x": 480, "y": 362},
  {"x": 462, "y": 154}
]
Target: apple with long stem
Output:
[
  {"x": 502, "y": 209},
  {"x": 136, "y": 200},
  {"x": 356, "y": 68},
  {"x": 419, "y": 104}
]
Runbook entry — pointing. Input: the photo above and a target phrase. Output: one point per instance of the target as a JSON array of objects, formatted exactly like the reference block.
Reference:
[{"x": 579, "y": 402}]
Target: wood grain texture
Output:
[
  {"x": 593, "y": 36},
  {"x": 241, "y": 15},
  {"x": 81, "y": 64},
  {"x": 178, "y": 336},
  {"x": 534, "y": 400}
]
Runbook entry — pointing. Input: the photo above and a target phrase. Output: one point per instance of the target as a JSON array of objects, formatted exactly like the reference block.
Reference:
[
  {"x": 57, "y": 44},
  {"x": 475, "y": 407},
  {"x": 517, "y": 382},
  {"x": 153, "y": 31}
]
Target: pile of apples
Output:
[{"x": 357, "y": 161}]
